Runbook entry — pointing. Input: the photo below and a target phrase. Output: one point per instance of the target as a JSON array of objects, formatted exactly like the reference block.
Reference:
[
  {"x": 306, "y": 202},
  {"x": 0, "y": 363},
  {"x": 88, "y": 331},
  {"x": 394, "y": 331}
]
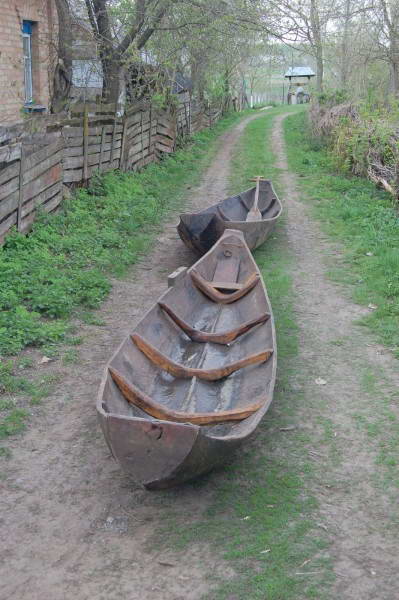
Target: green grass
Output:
[
  {"x": 65, "y": 264},
  {"x": 260, "y": 516},
  {"x": 363, "y": 219},
  {"x": 366, "y": 223},
  {"x": 62, "y": 269}
]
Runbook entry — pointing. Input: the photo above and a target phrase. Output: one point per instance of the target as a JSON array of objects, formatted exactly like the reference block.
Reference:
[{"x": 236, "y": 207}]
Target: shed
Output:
[{"x": 298, "y": 78}]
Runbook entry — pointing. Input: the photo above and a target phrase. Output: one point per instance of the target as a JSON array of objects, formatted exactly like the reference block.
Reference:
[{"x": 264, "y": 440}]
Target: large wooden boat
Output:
[
  {"x": 196, "y": 375},
  {"x": 200, "y": 230}
]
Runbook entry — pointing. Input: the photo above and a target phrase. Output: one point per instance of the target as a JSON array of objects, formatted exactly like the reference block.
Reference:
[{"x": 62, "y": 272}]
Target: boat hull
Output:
[
  {"x": 200, "y": 231},
  {"x": 162, "y": 454},
  {"x": 162, "y": 451}
]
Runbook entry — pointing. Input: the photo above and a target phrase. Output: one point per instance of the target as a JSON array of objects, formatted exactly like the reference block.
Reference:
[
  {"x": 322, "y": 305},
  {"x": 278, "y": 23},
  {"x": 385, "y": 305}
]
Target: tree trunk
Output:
[
  {"x": 317, "y": 43},
  {"x": 63, "y": 69},
  {"x": 344, "y": 62}
]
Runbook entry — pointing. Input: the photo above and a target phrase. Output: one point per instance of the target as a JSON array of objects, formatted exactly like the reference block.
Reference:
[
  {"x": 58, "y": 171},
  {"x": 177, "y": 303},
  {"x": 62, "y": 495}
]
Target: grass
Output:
[
  {"x": 366, "y": 223},
  {"x": 64, "y": 265},
  {"x": 364, "y": 219},
  {"x": 260, "y": 517},
  {"x": 62, "y": 269}
]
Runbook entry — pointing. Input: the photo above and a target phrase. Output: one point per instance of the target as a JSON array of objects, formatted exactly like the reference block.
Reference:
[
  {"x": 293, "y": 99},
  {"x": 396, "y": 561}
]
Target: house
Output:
[{"x": 27, "y": 42}]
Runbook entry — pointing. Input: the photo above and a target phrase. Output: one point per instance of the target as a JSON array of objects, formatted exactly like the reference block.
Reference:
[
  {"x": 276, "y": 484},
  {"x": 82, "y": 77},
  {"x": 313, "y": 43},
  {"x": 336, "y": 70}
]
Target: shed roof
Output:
[{"x": 300, "y": 72}]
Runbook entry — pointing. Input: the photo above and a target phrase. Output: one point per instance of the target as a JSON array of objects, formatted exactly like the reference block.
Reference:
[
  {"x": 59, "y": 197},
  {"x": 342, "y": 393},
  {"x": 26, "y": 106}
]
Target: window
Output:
[{"x": 27, "y": 53}]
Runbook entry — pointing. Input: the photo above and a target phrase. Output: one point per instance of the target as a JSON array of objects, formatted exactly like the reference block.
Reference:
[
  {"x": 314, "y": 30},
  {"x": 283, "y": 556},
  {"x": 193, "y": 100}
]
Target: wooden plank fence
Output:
[{"x": 92, "y": 139}]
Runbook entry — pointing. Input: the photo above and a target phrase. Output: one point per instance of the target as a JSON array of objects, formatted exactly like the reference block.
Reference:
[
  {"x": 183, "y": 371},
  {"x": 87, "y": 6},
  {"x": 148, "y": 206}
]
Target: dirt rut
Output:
[{"x": 355, "y": 510}]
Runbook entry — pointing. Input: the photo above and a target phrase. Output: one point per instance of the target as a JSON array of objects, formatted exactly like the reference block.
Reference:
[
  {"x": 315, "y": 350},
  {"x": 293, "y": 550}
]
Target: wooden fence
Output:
[{"x": 35, "y": 166}]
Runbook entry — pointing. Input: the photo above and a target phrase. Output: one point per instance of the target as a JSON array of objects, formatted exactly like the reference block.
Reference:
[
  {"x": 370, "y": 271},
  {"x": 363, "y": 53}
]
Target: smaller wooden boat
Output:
[
  {"x": 200, "y": 230},
  {"x": 196, "y": 375}
]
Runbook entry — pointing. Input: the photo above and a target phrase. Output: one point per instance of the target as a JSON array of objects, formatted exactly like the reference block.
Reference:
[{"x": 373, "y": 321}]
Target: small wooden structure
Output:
[{"x": 299, "y": 78}]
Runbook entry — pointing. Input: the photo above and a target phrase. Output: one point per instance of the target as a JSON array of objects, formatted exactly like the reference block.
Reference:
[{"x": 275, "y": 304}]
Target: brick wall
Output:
[{"x": 44, "y": 16}]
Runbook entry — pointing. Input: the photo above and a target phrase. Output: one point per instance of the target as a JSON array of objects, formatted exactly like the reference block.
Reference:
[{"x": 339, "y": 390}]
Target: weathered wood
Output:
[
  {"x": 225, "y": 337},
  {"x": 177, "y": 370},
  {"x": 102, "y": 149},
  {"x": 39, "y": 156},
  {"x": 45, "y": 180},
  {"x": 123, "y": 154},
  {"x": 199, "y": 231},
  {"x": 74, "y": 162},
  {"x": 85, "y": 144},
  {"x": 9, "y": 204},
  {"x": 113, "y": 135},
  {"x": 10, "y": 153},
  {"x": 76, "y": 175},
  {"x": 32, "y": 173},
  {"x": 254, "y": 214},
  {"x": 8, "y": 173},
  {"x": 158, "y": 424},
  {"x": 70, "y": 132},
  {"x": 9, "y": 187},
  {"x": 92, "y": 107},
  {"x": 6, "y": 225},
  {"x": 48, "y": 207},
  {"x": 209, "y": 290},
  {"x": 41, "y": 198},
  {"x": 174, "y": 277},
  {"x": 145, "y": 403},
  {"x": 20, "y": 187}
]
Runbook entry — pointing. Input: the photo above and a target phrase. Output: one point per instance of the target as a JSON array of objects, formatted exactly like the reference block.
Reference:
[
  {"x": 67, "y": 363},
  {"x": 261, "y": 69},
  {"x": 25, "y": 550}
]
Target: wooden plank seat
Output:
[{"x": 225, "y": 337}]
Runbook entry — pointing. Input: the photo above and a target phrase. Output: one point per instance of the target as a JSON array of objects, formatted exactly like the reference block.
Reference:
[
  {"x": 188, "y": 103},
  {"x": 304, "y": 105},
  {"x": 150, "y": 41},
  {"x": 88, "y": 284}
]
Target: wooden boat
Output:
[
  {"x": 200, "y": 230},
  {"x": 196, "y": 375}
]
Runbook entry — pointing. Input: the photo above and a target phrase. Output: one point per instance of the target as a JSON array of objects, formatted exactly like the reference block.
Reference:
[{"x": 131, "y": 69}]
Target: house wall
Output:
[{"x": 12, "y": 93}]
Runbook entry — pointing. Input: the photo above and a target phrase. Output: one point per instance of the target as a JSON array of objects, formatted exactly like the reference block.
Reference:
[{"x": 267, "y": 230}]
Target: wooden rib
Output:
[
  {"x": 177, "y": 370},
  {"x": 243, "y": 202},
  {"x": 222, "y": 213},
  {"x": 208, "y": 289},
  {"x": 217, "y": 338},
  {"x": 133, "y": 395},
  {"x": 269, "y": 206}
]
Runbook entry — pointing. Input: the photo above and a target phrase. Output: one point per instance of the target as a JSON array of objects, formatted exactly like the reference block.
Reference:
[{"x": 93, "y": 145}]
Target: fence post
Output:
[
  {"x": 111, "y": 158},
  {"x": 85, "y": 143},
  {"x": 100, "y": 162},
  {"x": 123, "y": 158},
  {"x": 21, "y": 187},
  {"x": 141, "y": 136}
]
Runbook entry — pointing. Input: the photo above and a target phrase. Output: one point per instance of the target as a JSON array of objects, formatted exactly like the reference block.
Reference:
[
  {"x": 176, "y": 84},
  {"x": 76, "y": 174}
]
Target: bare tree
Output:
[{"x": 63, "y": 67}]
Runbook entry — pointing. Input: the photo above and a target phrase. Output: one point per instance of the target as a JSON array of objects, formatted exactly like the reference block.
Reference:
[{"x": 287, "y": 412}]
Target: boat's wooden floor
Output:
[{"x": 229, "y": 270}]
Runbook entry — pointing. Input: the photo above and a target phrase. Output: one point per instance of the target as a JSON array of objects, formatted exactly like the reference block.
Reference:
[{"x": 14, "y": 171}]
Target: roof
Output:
[
  {"x": 300, "y": 72},
  {"x": 181, "y": 84}
]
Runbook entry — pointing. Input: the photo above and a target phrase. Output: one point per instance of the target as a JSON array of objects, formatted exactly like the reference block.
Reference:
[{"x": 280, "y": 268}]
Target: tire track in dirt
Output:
[
  {"x": 72, "y": 525},
  {"x": 356, "y": 512}
]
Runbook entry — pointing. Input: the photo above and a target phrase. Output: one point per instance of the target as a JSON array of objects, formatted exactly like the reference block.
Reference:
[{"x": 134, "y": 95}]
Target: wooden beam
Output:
[
  {"x": 136, "y": 397},
  {"x": 209, "y": 290},
  {"x": 225, "y": 337},
  {"x": 177, "y": 370}
]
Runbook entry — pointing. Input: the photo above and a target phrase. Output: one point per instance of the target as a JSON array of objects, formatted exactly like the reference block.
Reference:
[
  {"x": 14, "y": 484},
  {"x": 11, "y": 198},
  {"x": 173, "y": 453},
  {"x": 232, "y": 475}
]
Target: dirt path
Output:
[
  {"x": 356, "y": 509},
  {"x": 72, "y": 526}
]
